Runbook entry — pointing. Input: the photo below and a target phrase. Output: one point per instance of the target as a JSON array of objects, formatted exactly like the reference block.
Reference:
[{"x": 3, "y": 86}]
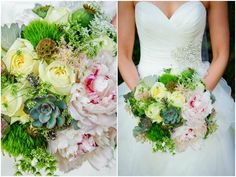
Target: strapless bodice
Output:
[{"x": 169, "y": 42}]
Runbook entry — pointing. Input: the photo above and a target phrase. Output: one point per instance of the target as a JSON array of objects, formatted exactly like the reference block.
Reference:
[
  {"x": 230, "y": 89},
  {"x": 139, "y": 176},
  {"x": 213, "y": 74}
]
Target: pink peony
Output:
[
  {"x": 186, "y": 136},
  {"x": 93, "y": 100},
  {"x": 198, "y": 107},
  {"x": 72, "y": 147}
]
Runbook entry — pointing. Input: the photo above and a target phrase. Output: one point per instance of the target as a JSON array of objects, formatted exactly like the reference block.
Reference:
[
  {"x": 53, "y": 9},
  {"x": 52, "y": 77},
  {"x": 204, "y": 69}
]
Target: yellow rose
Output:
[
  {"x": 158, "y": 91},
  {"x": 59, "y": 75},
  {"x": 153, "y": 112},
  {"x": 12, "y": 103},
  {"x": 178, "y": 99},
  {"x": 20, "y": 58}
]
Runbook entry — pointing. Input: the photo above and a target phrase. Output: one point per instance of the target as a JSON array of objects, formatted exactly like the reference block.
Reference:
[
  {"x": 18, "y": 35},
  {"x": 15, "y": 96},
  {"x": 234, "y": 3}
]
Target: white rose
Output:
[
  {"x": 57, "y": 15},
  {"x": 12, "y": 103},
  {"x": 59, "y": 75},
  {"x": 20, "y": 58},
  {"x": 153, "y": 112},
  {"x": 178, "y": 99},
  {"x": 159, "y": 91}
]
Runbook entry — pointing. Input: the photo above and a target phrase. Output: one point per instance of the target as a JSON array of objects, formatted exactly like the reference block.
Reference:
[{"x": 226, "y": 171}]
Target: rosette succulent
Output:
[
  {"x": 47, "y": 112},
  {"x": 171, "y": 116}
]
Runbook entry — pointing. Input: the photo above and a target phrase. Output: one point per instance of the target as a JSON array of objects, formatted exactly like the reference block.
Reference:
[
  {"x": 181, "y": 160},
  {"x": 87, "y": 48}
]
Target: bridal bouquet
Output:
[
  {"x": 174, "y": 110},
  {"x": 58, "y": 94}
]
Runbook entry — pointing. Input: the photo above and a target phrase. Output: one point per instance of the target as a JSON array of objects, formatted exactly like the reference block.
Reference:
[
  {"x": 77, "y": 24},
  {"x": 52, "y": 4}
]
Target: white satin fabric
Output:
[
  {"x": 21, "y": 12},
  {"x": 159, "y": 37}
]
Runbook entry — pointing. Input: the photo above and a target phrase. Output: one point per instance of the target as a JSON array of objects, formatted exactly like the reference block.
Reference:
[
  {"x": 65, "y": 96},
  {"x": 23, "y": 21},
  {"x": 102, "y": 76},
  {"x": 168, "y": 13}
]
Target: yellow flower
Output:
[
  {"x": 178, "y": 99},
  {"x": 59, "y": 75},
  {"x": 20, "y": 58},
  {"x": 158, "y": 91},
  {"x": 153, "y": 112}
]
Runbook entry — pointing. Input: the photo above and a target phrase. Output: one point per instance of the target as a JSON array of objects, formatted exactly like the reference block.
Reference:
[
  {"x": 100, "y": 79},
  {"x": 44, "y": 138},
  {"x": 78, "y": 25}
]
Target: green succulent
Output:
[
  {"x": 47, "y": 112},
  {"x": 171, "y": 116},
  {"x": 145, "y": 124}
]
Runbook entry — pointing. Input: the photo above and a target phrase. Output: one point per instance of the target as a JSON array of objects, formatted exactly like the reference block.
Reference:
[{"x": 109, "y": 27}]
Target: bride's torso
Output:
[{"x": 169, "y": 42}]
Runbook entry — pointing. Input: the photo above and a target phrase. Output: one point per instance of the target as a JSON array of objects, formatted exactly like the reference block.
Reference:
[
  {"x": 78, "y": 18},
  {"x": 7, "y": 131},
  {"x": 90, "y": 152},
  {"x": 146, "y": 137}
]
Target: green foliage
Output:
[
  {"x": 138, "y": 107},
  {"x": 40, "y": 10},
  {"x": 9, "y": 35},
  {"x": 36, "y": 161},
  {"x": 166, "y": 145},
  {"x": 188, "y": 73},
  {"x": 19, "y": 142},
  {"x": 211, "y": 124},
  {"x": 161, "y": 138},
  {"x": 157, "y": 132},
  {"x": 166, "y": 78},
  {"x": 7, "y": 79},
  {"x": 40, "y": 29},
  {"x": 87, "y": 31}
]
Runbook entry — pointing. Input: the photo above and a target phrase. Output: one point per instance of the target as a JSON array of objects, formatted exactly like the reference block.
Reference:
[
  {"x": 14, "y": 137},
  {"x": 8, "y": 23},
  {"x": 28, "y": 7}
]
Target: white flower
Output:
[
  {"x": 159, "y": 91},
  {"x": 186, "y": 136},
  {"x": 153, "y": 112},
  {"x": 72, "y": 147},
  {"x": 20, "y": 58},
  {"x": 12, "y": 103},
  {"x": 178, "y": 99},
  {"x": 141, "y": 92},
  {"x": 58, "y": 15},
  {"x": 60, "y": 75}
]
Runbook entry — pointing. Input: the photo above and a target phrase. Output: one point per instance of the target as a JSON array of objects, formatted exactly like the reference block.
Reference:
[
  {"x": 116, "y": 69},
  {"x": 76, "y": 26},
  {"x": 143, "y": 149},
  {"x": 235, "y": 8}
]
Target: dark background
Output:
[{"x": 229, "y": 74}]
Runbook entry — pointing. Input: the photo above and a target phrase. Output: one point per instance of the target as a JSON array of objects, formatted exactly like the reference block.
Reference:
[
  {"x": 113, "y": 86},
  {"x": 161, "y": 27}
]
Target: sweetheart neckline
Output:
[{"x": 174, "y": 13}]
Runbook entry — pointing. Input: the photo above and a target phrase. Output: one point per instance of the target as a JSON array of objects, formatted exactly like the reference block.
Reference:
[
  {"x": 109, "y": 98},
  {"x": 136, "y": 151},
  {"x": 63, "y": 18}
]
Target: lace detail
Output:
[{"x": 188, "y": 56}]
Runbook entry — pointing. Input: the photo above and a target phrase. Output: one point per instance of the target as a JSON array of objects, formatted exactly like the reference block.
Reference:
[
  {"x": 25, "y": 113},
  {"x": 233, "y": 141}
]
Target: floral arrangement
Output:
[
  {"x": 58, "y": 94},
  {"x": 174, "y": 110}
]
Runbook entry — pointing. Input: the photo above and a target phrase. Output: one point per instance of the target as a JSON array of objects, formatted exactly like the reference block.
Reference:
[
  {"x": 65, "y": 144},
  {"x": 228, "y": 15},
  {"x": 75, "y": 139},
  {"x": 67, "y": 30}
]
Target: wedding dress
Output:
[
  {"x": 175, "y": 42},
  {"x": 22, "y": 14}
]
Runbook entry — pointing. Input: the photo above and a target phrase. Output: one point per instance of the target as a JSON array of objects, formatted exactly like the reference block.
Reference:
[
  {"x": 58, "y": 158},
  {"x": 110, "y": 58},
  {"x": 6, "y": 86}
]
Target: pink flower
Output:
[
  {"x": 93, "y": 100},
  {"x": 198, "y": 107},
  {"x": 186, "y": 136},
  {"x": 72, "y": 147}
]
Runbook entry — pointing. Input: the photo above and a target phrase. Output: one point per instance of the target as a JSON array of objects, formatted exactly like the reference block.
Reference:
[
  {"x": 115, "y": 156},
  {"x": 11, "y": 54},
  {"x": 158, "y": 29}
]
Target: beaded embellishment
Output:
[{"x": 188, "y": 56}]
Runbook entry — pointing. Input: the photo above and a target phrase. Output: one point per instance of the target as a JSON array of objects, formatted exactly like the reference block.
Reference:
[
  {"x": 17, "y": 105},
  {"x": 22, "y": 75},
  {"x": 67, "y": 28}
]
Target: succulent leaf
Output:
[
  {"x": 43, "y": 118},
  {"x": 34, "y": 113},
  {"x": 51, "y": 123},
  {"x": 60, "y": 121},
  {"x": 37, "y": 123}
]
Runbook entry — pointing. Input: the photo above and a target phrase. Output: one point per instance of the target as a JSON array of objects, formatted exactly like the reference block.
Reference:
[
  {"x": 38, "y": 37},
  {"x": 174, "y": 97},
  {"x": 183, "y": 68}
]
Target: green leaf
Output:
[
  {"x": 150, "y": 80},
  {"x": 9, "y": 35}
]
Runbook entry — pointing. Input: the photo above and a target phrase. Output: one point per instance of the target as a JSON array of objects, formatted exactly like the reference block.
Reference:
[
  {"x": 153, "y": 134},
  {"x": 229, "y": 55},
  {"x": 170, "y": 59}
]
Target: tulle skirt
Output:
[{"x": 215, "y": 157}]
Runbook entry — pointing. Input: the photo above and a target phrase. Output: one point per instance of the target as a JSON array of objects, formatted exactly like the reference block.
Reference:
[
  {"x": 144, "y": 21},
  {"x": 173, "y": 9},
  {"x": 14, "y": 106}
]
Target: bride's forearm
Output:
[
  {"x": 129, "y": 72},
  {"x": 215, "y": 72}
]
